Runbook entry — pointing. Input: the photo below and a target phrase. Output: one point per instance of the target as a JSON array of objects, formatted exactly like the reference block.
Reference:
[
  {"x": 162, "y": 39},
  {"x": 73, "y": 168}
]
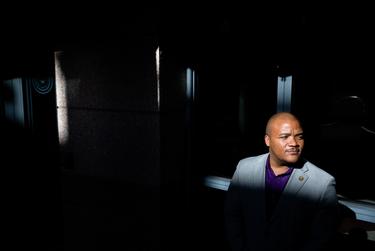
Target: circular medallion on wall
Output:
[{"x": 42, "y": 86}]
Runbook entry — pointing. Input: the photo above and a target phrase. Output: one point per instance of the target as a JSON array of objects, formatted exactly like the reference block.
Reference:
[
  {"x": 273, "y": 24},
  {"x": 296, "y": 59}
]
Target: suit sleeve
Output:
[
  {"x": 233, "y": 215},
  {"x": 325, "y": 219}
]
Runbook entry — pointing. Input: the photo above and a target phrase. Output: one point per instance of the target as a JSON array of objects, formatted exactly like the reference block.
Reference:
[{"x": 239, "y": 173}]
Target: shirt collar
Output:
[{"x": 269, "y": 169}]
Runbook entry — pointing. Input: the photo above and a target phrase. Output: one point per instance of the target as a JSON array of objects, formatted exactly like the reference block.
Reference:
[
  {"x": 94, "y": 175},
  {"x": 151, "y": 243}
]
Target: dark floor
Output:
[
  {"x": 107, "y": 214},
  {"x": 102, "y": 214}
]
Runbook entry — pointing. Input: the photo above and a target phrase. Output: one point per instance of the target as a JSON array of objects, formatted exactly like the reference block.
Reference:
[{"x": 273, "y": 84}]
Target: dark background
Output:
[{"x": 150, "y": 195}]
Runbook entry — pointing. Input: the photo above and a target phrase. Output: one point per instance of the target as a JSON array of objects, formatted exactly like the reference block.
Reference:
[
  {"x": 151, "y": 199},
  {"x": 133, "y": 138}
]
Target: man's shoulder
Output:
[
  {"x": 312, "y": 168},
  {"x": 252, "y": 166},
  {"x": 253, "y": 160}
]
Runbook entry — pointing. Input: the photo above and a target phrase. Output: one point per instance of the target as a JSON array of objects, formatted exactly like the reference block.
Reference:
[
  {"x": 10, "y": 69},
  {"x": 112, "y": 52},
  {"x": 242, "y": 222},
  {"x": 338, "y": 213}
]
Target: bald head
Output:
[{"x": 278, "y": 118}]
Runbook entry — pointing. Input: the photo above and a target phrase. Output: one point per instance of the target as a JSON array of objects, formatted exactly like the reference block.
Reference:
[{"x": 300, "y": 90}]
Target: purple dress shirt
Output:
[{"x": 275, "y": 185}]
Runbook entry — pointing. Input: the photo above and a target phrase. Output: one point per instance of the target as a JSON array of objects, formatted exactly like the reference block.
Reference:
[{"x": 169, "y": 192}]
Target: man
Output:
[{"x": 278, "y": 200}]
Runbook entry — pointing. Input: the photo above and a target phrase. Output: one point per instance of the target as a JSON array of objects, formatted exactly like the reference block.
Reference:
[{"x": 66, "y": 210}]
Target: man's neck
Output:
[{"x": 278, "y": 170}]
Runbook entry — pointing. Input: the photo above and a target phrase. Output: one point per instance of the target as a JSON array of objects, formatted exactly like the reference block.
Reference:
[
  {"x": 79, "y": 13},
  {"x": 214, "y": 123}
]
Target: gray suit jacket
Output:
[{"x": 304, "y": 218}]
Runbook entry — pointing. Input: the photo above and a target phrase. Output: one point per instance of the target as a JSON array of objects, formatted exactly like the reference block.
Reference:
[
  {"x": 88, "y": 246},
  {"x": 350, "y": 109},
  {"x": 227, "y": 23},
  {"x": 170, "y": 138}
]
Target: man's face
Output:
[{"x": 285, "y": 141}]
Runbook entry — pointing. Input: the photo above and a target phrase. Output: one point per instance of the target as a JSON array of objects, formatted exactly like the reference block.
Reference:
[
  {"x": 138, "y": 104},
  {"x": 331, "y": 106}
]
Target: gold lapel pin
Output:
[{"x": 300, "y": 178}]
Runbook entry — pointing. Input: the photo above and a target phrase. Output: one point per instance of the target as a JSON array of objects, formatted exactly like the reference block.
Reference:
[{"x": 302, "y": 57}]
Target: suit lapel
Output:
[{"x": 297, "y": 179}]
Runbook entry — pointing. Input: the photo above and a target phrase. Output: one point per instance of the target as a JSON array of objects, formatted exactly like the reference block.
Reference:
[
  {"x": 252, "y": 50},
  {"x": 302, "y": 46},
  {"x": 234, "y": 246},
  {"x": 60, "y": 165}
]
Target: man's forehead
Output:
[{"x": 287, "y": 127}]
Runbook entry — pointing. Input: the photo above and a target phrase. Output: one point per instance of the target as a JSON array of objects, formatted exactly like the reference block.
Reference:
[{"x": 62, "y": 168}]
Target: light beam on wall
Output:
[
  {"x": 61, "y": 101},
  {"x": 190, "y": 84},
  {"x": 284, "y": 93},
  {"x": 157, "y": 57}
]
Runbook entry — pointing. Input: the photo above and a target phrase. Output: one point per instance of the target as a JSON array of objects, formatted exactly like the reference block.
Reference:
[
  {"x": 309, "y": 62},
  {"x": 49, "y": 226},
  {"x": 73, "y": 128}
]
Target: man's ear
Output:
[{"x": 267, "y": 140}]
